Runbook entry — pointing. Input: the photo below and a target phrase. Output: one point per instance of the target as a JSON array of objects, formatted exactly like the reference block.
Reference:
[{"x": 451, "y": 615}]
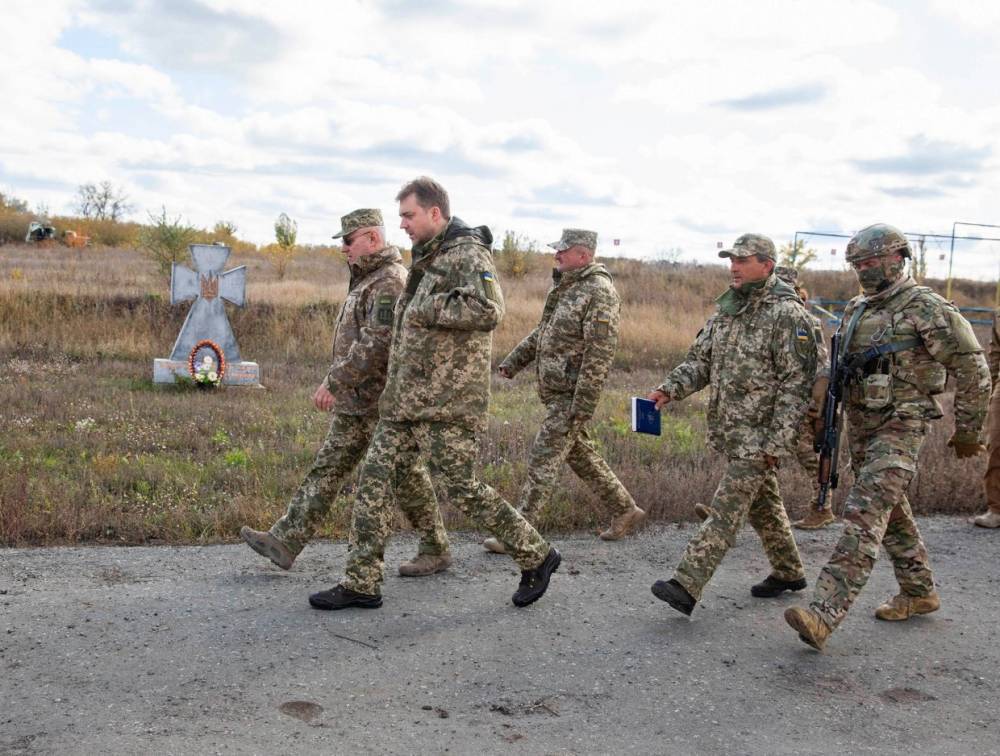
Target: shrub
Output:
[{"x": 165, "y": 241}]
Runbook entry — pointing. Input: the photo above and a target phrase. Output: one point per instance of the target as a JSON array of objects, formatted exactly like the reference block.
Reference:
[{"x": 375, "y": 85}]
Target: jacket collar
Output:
[{"x": 371, "y": 263}]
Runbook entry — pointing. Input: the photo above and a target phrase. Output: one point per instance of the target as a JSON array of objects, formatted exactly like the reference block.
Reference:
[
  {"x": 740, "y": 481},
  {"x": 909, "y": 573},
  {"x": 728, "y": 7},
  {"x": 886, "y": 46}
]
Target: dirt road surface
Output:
[{"x": 213, "y": 650}]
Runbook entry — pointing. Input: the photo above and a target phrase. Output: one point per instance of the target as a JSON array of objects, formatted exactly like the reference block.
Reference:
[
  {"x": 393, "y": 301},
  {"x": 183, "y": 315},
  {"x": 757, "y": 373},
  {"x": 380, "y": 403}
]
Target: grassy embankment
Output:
[{"x": 91, "y": 451}]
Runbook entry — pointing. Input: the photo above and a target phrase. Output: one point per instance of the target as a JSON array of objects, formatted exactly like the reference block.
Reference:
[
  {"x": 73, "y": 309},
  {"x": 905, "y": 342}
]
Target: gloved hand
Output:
[{"x": 964, "y": 449}]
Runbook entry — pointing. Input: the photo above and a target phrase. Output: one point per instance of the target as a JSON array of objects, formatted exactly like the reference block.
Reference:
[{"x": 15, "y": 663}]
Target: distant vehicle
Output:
[
  {"x": 40, "y": 231},
  {"x": 75, "y": 239}
]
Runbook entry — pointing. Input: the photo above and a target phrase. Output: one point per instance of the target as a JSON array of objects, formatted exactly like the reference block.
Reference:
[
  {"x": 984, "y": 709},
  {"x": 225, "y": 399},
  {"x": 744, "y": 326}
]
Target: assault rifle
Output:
[
  {"x": 842, "y": 372},
  {"x": 827, "y": 442}
]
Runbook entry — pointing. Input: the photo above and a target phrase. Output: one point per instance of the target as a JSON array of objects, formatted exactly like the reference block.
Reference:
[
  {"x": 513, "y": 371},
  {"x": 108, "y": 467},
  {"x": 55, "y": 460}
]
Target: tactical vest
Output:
[{"x": 905, "y": 373}]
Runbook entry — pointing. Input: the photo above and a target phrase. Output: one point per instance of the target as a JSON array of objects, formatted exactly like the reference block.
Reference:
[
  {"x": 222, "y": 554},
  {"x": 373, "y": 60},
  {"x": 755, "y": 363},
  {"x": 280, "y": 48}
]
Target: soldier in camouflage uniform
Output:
[
  {"x": 920, "y": 337},
  {"x": 991, "y": 480},
  {"x": 805, "y": 452},
  {"x": 436, "y": 399},
  {"x": 572, "y": 348},
  {"x": 351, "y": 390},
  {"x": 757, "y": 354}
]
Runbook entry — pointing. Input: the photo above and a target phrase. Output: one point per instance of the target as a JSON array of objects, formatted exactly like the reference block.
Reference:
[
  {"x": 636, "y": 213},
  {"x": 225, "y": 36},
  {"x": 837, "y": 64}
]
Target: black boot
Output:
[
  {"x": 674, "y": 594},
  {"x": 535, "y": 582},
  {"x": 340, "y": 597},
  {"x": 771, "y": 586}
]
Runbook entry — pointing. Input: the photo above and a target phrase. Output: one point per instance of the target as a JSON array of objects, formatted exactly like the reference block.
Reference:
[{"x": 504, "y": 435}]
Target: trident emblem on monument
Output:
[{"x": 208, "y": 285}]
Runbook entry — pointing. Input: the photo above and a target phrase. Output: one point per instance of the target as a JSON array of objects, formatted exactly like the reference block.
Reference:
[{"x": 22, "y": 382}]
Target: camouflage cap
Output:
[
  {"x": 366, "y": 217},
  {"x": 788, "y": 274},
  {"x": 572, "y": 237},
  {"x": 749, "y": 245}
]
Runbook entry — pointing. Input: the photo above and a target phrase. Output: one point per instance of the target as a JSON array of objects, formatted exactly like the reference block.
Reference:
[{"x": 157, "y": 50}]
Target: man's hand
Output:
[
  {"x": 771, "y": 462},
  {"x": 506, "y": 372},
  {"x": 661, "y": 399},
  {"x": 964, "y": 449},
  {"x": 323, "y": 399},
  {"x": 819, "y": 389}
]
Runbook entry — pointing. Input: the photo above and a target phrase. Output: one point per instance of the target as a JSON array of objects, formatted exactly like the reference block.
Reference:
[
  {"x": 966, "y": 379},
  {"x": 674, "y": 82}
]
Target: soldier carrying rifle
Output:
[{"x": 896, "y": 345}]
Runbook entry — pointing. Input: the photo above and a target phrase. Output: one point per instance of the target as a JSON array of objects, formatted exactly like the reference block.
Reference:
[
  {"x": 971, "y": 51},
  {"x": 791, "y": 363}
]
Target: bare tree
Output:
[{"x": 102, "y": 202}]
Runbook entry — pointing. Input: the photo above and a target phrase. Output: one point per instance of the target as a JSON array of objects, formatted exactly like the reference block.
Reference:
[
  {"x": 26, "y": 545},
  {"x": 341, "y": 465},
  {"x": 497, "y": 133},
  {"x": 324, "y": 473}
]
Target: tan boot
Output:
[
  {"x": 901, "y": 607},
  {"x": 425, "y": 564},
  {"x": 702, "y": 511},
  {"x": 816, "y": 519},
  {"x": 989, "y": 519},
  {"x": 268, "y": 546},
  {"x": 492, "y": 544},
  {"x": 622, "y": 525},
  {"x": 810, "y": 627}
]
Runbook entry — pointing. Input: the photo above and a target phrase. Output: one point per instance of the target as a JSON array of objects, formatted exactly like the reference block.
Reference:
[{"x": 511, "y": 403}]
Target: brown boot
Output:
[
  {"x": 622, "y": 525},
  {"x": 425, "y": 564},
  {"x": 810, "y": 627},
  {"x": 988, "y": 519},
  {"x": 492, "y": 544},
  {"x": 268, "y": 546},
  {"x": 816, "y": 519},
  {"x": 901, "y": 607}
]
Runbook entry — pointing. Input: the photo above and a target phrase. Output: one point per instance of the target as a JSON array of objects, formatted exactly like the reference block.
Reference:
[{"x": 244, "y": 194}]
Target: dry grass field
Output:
[{"x": 90, "y": 450}]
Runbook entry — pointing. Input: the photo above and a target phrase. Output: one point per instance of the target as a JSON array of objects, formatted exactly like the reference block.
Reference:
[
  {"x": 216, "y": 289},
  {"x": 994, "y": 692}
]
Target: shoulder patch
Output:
[
  {"x": 488, "y": 282},
  {"x": 602, "y": 325},
  {"x": 384, "y": 307}
]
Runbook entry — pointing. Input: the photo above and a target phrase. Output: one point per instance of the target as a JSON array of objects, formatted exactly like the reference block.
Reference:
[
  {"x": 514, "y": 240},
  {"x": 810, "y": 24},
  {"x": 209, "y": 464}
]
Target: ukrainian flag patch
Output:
[
  {"x": 802, "y": 334},
  {"x": 489, "y": 283}
]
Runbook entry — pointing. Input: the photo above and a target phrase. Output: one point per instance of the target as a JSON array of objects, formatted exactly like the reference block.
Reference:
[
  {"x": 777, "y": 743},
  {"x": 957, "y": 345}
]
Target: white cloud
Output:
[{"x": 661, "y": 124}]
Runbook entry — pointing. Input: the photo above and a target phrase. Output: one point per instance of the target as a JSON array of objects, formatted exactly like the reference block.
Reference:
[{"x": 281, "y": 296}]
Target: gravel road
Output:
[{"x": 188, "y": 650}]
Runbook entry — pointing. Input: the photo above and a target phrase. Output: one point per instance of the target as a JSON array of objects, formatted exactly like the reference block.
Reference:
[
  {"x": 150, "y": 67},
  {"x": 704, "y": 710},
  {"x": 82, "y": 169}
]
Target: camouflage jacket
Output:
[
  {"x": 362, "y": 334},
  {"x": 946, "y": 343},
  {"x": 574, "y": 344},
  {"x": 760, "y": 365},
  {"x": 439, "y": 362}
]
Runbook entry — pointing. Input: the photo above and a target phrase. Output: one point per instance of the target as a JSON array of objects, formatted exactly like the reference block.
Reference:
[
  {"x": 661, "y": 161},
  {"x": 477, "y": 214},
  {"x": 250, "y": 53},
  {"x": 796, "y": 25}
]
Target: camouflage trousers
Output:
[
  {"x": 343, "y": 447},
  {"x": 884, "y": 460},
  {"x": 748, "y": 490},
  {"x": 450, "y": 450},
  {"x": 559, "y": 440},
  {"x": 991, "y": 479}
]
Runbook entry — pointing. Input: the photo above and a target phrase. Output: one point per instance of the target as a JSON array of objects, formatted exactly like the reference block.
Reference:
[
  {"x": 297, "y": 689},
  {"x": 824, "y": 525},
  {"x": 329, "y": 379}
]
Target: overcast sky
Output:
[{"x": 667, "y": 125}]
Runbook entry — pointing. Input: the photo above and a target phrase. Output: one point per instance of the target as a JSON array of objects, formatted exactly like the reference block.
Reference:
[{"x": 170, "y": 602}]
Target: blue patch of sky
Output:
[
  {"x": 929, "y": 157},
  {"x": 564, "y": 194},
  {"x": 805, "y": 94},
  {"x": 912, "y": 192},
  {"x": 525, "y": 211},
  {"x": 91, "y": 43},
  {"x": 21, "y": 181}
]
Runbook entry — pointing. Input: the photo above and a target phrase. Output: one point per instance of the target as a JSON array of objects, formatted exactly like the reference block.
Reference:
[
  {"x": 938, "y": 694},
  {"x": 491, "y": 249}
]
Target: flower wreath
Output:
[{"x": 220, "y": 357}]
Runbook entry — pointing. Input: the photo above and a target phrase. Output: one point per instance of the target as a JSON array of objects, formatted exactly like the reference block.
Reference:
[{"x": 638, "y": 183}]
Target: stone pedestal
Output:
[{"x": 237, "y": 374}]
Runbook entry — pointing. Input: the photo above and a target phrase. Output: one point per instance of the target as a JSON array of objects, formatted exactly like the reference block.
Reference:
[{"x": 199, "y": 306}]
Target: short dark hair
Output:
[
  {"x": 429, "y": 193},
  {"x": 764, "y": 258}
]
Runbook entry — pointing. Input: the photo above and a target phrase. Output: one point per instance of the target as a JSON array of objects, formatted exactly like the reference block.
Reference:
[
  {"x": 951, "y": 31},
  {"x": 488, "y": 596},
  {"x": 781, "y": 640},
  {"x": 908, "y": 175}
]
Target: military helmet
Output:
[{"x": 876, "y": 241}]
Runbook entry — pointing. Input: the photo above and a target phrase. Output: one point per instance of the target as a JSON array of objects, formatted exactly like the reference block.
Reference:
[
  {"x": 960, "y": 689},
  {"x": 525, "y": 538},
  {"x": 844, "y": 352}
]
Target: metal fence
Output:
[{"x": 832, "y": 310}]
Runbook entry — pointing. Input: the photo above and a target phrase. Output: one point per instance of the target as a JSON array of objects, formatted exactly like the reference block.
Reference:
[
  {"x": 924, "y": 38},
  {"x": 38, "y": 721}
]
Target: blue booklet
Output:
[{"x": 645, "y": 416}]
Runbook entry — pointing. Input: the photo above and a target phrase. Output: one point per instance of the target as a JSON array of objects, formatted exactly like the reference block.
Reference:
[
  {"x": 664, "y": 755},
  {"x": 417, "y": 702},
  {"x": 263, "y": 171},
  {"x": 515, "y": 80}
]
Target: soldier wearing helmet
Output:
[{"x": 913, "y": 339}]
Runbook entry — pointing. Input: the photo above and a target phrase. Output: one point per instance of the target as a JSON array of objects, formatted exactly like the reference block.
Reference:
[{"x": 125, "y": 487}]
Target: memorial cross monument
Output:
[{"x": 206, "y": 331}]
